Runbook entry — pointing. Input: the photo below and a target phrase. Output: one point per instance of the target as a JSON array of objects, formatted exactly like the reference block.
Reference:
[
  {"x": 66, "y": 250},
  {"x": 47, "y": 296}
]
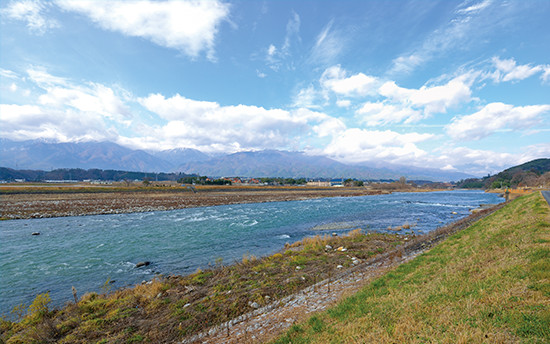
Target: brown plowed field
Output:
[{"x": 28, "y": 202}]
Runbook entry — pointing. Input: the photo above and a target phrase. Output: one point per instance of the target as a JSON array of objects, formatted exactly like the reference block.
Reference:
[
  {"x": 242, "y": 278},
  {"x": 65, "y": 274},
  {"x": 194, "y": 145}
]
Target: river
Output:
[{"x": 87, "y": 251}]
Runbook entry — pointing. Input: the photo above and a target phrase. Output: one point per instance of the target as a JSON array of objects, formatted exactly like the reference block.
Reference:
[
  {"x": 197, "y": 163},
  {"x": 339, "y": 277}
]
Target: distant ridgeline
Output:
[
  {"x": 8, "y": 174},
  {"x": 533, "y": 173}
]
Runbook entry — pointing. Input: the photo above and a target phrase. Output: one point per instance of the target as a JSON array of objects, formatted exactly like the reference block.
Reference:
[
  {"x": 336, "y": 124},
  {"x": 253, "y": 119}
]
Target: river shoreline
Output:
[
  {"x": 32, "y": 204},
  {"x": 269, "y": 321}
]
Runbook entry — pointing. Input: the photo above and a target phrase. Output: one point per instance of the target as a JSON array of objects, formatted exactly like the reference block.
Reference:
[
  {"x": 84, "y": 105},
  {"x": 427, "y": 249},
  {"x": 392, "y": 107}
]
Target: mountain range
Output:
[{"x": 43, "y": 155}]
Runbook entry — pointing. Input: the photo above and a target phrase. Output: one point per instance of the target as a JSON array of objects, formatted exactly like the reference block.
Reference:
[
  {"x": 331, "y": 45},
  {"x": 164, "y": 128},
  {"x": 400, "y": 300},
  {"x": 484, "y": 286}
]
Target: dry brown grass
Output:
[{"x": 169, "y": 309}]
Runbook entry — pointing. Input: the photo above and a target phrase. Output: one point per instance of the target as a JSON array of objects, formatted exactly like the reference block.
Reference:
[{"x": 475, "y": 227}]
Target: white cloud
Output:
[
  {"x": 397, "y": 104},
  {"x": 475, "y": 7},
  {"x": 95, "y": 98},
  {"x": 432, "y": 99},
  {"x": 448, "y": 167},
  {"x": 508, "y": 70},
  {"x": 191, "y": 124},
  {"x": 15, "y": 114},
  {"x": 13, "y": 87},
  {"x": 275, "y": 57},
  {"x": 475, "y": 161},
  {"x": 329, "y": 127},
  {"x": 329, "y": 44},
  {"x": 343, "y": 103},
  {"x": 336, "y": 80},
  {"x": 43, "y": 79},
  {"x": 380, "y": 113},
  {"x": 188, "y": 26},
  {"x": 406, "y": 64},
  {"x": 492, "y": 117},
  {"x": 546, "y": 74},
  {"x": 307, "y": 98},
  {"x": 292, "y": 32},
  {"x": 6, "y": 73},
  {"x": 32, "y": 12},
  {"x": 29, "y": 122},
  {"x": 359, "y": 145},
  {"x": 65, "y": 111},
  {"x": 457, "y": 32}
]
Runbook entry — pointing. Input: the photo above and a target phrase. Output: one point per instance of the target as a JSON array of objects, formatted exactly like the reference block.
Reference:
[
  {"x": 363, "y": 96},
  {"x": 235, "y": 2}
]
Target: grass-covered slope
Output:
[{"x": 487, "y": 284}]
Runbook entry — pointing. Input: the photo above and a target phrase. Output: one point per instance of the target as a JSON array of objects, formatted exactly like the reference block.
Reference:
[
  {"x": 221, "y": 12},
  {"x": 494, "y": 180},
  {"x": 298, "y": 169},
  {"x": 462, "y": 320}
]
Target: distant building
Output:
[{"x": 318, "y": 183}]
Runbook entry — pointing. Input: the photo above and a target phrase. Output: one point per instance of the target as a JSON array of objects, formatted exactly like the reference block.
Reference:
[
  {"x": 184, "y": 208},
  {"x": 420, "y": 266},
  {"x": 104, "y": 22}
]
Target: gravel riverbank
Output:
[{"x": 40, "y": 205}]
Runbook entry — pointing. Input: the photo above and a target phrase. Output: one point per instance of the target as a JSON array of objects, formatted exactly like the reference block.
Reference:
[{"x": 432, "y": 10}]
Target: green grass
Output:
[{"x": 489, "y": 283}]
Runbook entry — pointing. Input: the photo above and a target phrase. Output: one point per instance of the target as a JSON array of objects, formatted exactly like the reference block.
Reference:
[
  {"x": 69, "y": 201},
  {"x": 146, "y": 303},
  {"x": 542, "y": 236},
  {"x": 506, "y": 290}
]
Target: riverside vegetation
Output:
[
  {"x": 171, "y": 308},
  {"x": 489, "y": 283}
]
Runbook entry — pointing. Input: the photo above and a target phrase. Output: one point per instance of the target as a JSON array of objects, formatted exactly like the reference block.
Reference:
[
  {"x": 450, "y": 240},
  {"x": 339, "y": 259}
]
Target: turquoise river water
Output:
[{"x": 86, "y": 251}]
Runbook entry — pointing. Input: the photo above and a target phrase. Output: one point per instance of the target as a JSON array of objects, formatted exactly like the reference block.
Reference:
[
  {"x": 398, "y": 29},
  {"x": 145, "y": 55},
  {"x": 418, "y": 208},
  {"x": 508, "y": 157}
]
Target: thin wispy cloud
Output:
[
  {"x": 456, "y": 32},
  {"x": 33, "y": 13},
  {"x": 328, "y": 46},
  {"x": 277, "y": 57}
]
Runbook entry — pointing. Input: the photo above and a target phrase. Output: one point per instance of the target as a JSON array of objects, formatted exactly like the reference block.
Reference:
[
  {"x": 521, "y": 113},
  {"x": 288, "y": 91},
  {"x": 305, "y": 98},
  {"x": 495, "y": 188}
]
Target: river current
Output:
[{"x": 87, "y": 251}]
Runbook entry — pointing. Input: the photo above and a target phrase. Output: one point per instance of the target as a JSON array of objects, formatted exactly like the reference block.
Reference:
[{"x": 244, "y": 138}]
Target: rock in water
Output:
[{"x": 140, "y": 264}]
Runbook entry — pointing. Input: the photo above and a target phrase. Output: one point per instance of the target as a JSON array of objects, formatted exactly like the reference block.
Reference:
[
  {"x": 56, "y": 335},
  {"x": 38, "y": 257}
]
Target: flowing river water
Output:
[{"x": 87, "y": 251}]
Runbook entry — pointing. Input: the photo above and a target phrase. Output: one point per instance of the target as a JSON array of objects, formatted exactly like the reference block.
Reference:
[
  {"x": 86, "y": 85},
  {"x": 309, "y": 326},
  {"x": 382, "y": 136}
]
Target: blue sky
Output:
[{"x": 456, "y": 85}]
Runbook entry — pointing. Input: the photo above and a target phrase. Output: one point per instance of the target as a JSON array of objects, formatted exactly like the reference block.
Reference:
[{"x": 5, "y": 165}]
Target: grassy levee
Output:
[{"x": 489, "y": 283}]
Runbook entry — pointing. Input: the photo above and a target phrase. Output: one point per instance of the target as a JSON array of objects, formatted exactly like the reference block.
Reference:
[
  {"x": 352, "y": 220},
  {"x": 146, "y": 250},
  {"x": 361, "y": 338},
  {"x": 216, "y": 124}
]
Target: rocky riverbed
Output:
[{"x": 27, "y": 205}]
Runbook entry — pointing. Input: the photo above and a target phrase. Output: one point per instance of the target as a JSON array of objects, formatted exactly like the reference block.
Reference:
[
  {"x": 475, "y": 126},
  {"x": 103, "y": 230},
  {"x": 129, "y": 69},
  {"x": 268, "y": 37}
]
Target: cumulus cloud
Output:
[
  {"x": 87, "y": 98},
  {"x": 188, "y": 26},
  {"x": 65, "y": 111},
  {"x": 335, "y": 79},
  {"x": 191, "y": 124},
  {"x": 395, "y": 104},
  {"x": 476, "y": 161},
  {"x": 508, "y": 70},
  {"x": 29, "y": 122},
  {"x": 358, "y": 145},
  {"x": 492, "y": 117},
  {"x": 33, "y": 13},
  {"x": 432, "y": 99},
  {"x": 307, "y": 97}
]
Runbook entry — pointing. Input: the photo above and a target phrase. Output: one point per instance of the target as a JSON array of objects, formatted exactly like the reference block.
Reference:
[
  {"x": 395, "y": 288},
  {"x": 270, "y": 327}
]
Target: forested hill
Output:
[
  {"x": 533, "y": 173},
  {"x": 9, "y": 174}
]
